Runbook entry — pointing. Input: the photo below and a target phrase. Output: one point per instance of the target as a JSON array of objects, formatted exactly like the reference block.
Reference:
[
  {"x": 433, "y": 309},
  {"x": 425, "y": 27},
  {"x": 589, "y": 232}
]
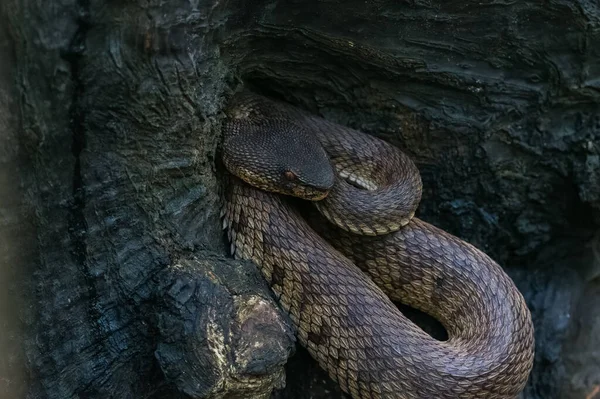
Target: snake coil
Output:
[{"x": 337, "y": 280}]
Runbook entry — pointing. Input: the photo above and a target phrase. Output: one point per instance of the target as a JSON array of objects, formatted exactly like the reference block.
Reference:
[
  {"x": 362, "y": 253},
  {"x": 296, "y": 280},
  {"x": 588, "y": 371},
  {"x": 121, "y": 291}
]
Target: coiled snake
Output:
[{"x": 345, "y": 317}]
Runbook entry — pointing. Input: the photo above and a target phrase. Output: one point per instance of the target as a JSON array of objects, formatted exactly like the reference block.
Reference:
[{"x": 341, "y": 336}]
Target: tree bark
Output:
[{"x": 119, "y": 284}]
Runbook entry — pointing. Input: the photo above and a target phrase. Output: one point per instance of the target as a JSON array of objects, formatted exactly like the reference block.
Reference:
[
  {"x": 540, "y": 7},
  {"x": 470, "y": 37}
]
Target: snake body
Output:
[{"x": 345, "y": 316}]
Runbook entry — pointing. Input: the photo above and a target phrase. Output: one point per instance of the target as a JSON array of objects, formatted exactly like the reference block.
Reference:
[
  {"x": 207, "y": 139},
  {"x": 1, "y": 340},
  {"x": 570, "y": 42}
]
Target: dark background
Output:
[{"x": 114, "y": 275}]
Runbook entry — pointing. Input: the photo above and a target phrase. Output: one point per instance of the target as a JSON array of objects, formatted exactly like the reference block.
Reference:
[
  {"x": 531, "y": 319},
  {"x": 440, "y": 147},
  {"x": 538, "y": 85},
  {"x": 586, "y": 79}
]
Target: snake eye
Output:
[{"x": 289, "y": 175}]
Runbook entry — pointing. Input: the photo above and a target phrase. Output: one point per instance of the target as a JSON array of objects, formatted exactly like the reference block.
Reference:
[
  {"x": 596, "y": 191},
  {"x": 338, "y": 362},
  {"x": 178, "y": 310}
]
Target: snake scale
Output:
[{"x": 337, "y": 280}]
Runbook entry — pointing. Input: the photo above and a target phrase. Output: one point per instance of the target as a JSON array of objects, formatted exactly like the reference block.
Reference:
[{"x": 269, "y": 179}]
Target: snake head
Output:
[{"x": 279, "y": 156}]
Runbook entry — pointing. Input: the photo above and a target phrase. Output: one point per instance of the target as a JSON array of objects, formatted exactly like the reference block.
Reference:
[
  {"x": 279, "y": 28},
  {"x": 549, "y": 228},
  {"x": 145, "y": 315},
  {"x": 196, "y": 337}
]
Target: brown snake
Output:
[{"x": 344, "y": 317}]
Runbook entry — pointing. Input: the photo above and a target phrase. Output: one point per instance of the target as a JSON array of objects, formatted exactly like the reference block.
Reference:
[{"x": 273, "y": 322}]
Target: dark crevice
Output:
[
  {"x": 427, "y": 323},
  {"x": 77, "y": 224},
  {"x": 73, "y": 56},
  {"x": 581, "y": 215},
  {"x": 264, "y": 88}
]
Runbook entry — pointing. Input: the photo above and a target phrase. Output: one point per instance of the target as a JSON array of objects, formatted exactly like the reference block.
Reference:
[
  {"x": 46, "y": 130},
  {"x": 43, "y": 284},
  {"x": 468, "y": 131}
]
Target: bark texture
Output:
[{"x": 110, "y": 237}]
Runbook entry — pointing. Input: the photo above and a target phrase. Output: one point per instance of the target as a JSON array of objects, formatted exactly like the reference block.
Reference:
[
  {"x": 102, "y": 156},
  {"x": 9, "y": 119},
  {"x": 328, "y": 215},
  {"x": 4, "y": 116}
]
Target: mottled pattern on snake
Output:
[{"x": 346, "y": 319}]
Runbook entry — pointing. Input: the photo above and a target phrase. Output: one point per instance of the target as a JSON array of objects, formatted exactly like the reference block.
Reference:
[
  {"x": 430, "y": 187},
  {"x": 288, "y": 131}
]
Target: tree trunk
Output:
[{"x": 118, "y": 283}]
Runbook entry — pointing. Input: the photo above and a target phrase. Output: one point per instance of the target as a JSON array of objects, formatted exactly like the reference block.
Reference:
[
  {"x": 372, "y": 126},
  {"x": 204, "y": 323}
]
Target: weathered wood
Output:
[
  {"x": 17, "y": 238},
  {"x": 220, "y": 333},
  {"x": 111, "y": 239}
]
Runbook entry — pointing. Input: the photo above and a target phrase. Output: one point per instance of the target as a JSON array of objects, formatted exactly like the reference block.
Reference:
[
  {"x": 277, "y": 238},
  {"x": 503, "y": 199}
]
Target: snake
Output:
[{"x": 338, "y": 268}]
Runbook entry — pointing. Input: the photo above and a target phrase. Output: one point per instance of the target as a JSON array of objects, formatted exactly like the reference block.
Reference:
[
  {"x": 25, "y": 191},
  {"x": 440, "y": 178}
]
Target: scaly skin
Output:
[{"x": 345, "y": 319}]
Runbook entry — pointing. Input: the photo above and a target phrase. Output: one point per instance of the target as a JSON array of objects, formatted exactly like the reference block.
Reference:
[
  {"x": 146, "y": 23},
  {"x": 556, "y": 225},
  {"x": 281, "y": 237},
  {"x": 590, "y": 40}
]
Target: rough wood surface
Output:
[{"x": 110, "y": 115}]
